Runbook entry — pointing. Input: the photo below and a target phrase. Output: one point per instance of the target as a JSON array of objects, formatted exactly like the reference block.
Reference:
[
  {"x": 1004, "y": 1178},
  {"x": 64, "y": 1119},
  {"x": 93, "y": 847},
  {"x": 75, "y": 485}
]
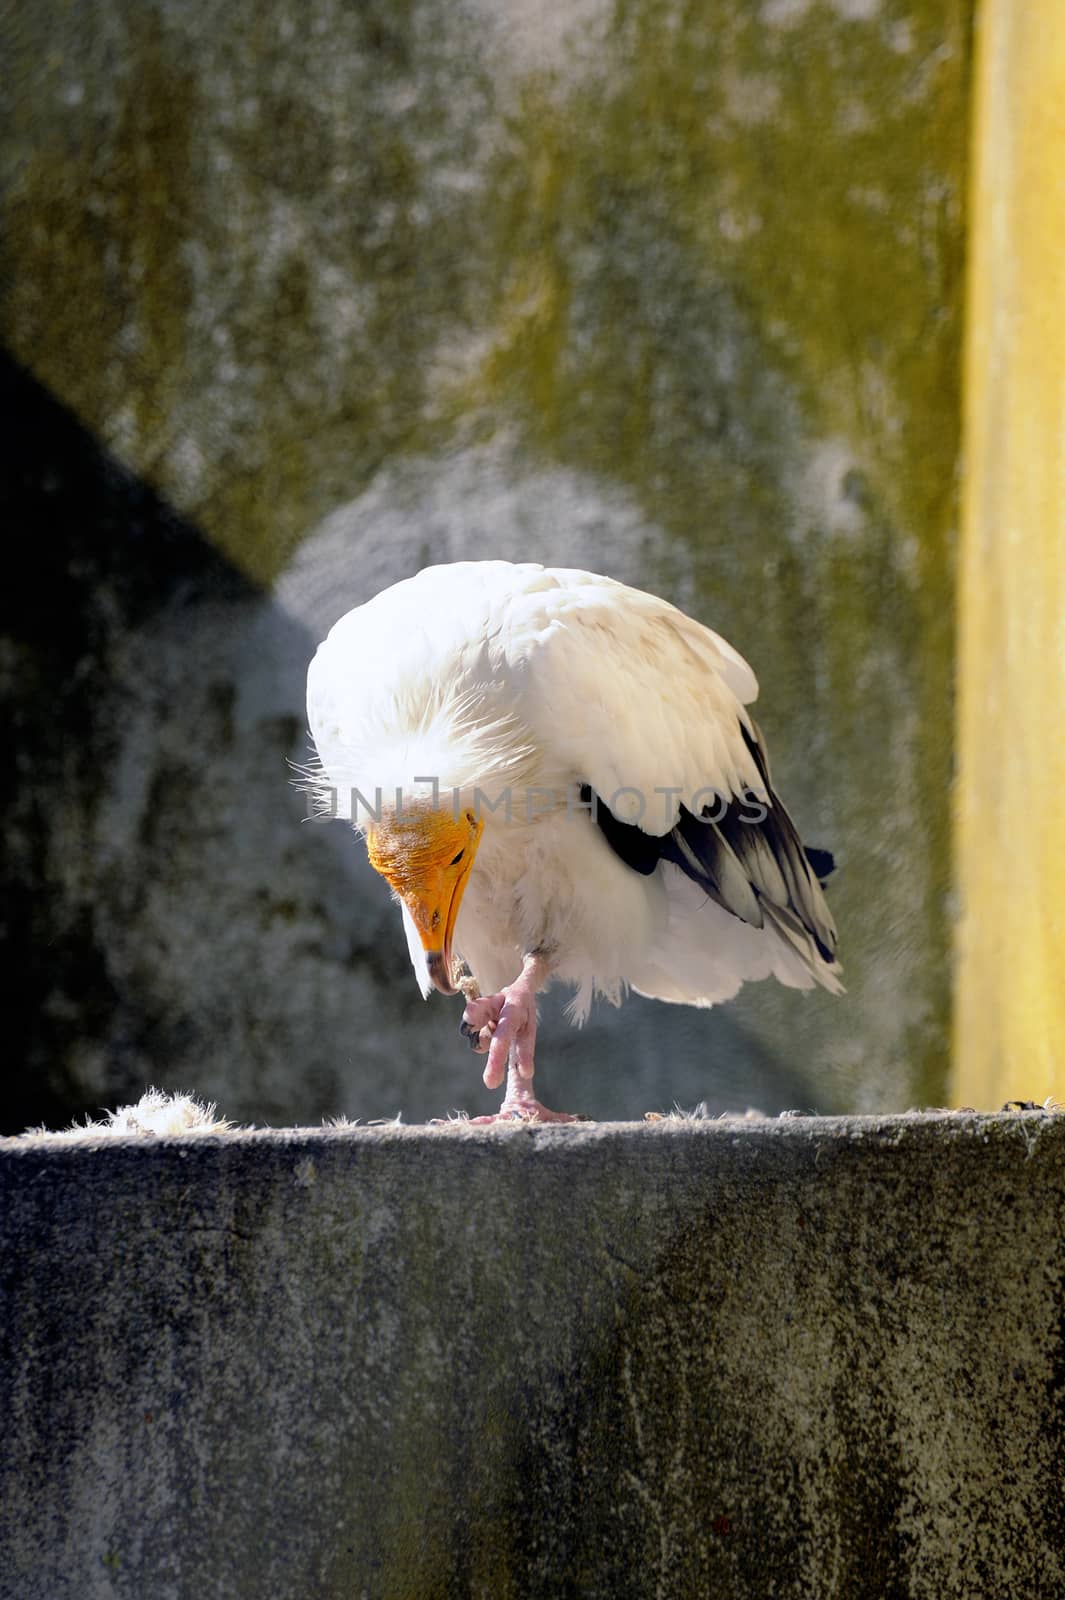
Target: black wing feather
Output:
[
  {"x": 822, "y": 861},
  {"x": 752, "y": 865}
]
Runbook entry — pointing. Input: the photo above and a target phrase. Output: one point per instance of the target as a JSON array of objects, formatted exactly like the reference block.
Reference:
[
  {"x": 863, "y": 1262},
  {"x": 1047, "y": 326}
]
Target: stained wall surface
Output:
[{"x": 296, "y": 300}]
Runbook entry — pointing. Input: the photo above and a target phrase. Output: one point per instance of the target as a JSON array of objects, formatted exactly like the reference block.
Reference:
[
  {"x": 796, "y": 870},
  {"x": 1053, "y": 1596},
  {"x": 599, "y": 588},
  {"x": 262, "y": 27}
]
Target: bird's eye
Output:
[{"x": 458, "y": 858}]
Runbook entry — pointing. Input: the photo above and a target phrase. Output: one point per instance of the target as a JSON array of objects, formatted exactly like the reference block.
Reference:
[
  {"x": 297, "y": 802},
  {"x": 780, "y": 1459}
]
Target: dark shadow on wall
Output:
[
  {"x": 92, "y": 554},
  {"x": 168, "y": 918}
]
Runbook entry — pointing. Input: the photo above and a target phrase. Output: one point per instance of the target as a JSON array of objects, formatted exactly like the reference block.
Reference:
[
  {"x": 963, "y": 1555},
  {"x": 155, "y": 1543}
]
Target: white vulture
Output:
[{"x": 559, "y": 778}]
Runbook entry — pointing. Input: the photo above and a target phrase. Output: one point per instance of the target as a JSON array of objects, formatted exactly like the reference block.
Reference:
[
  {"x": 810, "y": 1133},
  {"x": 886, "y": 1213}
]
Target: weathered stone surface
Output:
[
  {"x": 770, "y": 1361},
  {"x": 671, "y": 290}
]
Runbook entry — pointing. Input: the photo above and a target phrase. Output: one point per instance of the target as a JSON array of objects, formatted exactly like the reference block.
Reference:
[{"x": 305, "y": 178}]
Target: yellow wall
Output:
[{"x": 1010, "y": 1012}]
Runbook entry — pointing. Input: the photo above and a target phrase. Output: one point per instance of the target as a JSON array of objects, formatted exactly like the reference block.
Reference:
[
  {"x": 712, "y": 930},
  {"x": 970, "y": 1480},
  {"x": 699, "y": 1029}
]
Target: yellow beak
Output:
[{"x": 433, "y": 902}]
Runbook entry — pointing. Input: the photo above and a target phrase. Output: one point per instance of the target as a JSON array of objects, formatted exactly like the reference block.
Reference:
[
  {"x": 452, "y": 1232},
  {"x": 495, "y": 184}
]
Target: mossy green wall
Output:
[{"x": 708, "y": 255}]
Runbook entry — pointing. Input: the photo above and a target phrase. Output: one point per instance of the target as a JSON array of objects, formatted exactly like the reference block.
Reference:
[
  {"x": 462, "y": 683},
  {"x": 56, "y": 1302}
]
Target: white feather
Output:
[{"x": 156, "y": 1114}]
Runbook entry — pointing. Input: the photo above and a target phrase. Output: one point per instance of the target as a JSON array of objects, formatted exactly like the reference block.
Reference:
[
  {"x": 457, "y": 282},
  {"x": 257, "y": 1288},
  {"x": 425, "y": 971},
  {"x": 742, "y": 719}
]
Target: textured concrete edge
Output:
[
  {"x": 740, "y": 1357},
  {"x": 920, "y": 1128}
]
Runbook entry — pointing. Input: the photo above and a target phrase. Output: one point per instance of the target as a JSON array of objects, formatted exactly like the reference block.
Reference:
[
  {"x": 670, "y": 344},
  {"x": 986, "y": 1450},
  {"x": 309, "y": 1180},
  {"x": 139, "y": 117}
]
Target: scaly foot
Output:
[
  {"x": 521, "y": 1105},
  {"x": 504, "y": 1025}
]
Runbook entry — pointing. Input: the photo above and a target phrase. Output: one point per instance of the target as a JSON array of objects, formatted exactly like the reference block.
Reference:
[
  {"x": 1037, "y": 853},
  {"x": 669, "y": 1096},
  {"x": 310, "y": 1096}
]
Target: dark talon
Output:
[
  {"x": 1021, "y": 1105},
  {"x": 471, "y": 1034}
]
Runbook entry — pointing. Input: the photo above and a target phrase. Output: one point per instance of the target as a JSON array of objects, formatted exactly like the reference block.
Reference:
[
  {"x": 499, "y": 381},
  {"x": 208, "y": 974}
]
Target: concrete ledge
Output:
[{"x": 816, "y": 1359}]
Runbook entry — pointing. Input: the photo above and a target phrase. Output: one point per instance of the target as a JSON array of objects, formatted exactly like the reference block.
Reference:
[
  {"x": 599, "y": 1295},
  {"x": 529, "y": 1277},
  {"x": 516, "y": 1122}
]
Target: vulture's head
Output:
[{"x": 426, "y": 853}]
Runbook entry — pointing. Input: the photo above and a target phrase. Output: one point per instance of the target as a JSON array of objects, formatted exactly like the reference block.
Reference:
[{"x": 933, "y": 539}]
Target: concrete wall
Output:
[
  {"x": 783, "y": 1359},
  {"x": 298, "y": 299}
]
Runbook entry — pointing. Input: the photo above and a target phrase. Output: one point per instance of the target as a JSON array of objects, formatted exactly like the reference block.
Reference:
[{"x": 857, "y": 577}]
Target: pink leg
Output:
[{"x": 504, "y": 1024}]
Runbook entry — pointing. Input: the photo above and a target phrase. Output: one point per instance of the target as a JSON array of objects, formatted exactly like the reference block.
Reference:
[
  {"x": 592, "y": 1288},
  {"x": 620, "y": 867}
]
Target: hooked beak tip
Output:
[{"x": 440, "y": 971}]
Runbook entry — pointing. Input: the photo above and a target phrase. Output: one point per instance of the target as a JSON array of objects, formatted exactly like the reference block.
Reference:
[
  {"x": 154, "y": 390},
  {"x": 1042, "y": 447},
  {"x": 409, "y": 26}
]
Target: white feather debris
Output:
[{"x": 155, "y": 1115}]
